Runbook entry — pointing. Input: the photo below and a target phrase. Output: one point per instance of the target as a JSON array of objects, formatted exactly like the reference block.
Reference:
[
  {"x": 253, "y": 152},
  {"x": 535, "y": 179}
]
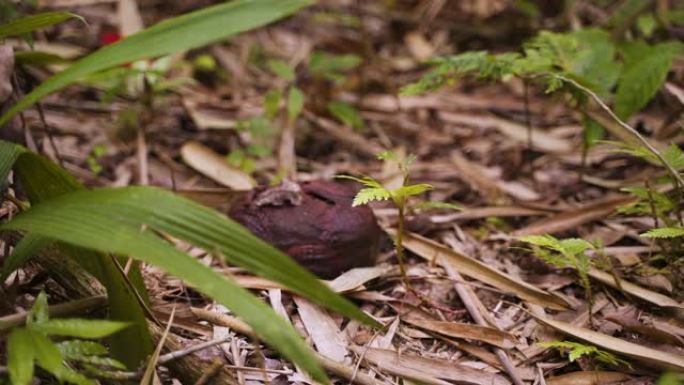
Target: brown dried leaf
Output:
[
  {"x": 572, "y": 219},
  {"x": 641, "y": 353},
  {"x": 214, "y": 166},
  {"x": 432, "y": 250},
  {"x": 635, "y": 290},
  {"x": 588, "y": 378},
  {"x": 428, "y": 370},
  {"x": 467, "y": 331}
]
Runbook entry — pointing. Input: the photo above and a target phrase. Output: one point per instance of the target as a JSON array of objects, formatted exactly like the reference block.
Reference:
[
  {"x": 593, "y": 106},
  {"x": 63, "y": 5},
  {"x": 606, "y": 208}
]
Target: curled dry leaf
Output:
[
  {"x": 214, "y": 166},
  {"x": 588, "y": 378},
  {"x": 572, "y": 219},
  {"x": 656, "y": 358},
  {"x": 475, "y": 269},
  {"x": 428, "y": 370}
]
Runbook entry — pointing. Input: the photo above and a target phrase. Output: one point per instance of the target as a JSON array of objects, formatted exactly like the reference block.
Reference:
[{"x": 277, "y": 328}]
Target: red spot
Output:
[{"x": 110, "y": 38}]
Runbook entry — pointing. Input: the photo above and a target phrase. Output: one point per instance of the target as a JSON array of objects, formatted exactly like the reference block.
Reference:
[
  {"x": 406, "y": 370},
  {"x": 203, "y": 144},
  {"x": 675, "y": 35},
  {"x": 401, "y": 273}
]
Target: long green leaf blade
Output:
[
  {"x": 63, "y": 218},
  {"x": 20, "y": 357},
  {"x": 34, "y": 22},
  {"x": 41, "y": 180},
  {"x": 184, "y": 32}
]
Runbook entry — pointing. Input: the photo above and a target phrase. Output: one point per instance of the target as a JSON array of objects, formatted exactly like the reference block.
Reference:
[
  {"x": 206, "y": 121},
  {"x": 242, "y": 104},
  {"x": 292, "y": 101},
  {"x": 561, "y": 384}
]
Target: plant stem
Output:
[{"x": 399, "y": 244}]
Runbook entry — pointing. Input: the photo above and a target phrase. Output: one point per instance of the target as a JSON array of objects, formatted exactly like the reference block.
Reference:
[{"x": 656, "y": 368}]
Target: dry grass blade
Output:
[
  {"x": 588, "y": 378},
  {"x": 467, "y": 331},
  {"x": 429, "y": 370},
  {"x": 569, "y": 220},
  {"x": 149, "y": 374},
  {"x": 214, "y": 166},
  {"x": 641, "y": 353},
  {"x": 635, "y": 290},
  {"x": 432, "y": 250}
]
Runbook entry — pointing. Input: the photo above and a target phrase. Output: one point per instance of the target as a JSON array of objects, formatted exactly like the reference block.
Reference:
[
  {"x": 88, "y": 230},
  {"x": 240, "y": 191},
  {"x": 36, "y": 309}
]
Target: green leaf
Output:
[
  {"x": 436, "y": 205},
  {"x": 295, "y": 103},
  {"x": 42, "y": 179},
  {"x": 371, "y": 194},
  {"x": 411, "y": 190},
  {"x": 47, "y": 355},
  {"x": 20, "y": 356},
  {"x": 272, "y": 103},
  {"x": 110, "y": 220},
  {"x": 39, "y": 310},
  {"x": 627, "y": 12},
  {"x": 593, "y": 131},
  {"x": 28, "y": 247},
  {"x": 78, "y": 348},
  {"x": 347, "y": 114},
  {"x": 184, "y": 32},
  {"x": 542, "y": 240},
  {"x": 34, "y": 22},
  {"x": 329, "y": 66},
  {"x": 9, "y": 152},
  {"x": 642, "y": 79},
  {"x": 664, "y": 232},
  {"x": 366, "y": 181},
  {"x": 281, "y": 69},
  {"x": 80, "y": 328}
]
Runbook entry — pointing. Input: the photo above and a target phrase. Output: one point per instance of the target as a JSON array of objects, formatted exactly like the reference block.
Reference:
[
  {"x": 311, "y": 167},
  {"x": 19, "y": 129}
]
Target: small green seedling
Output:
[
  {"x": 577, "y": 350},
  {"x": 33, "y": 344},
  {"x": 375, "y": 191},
  {"x": 571, "y": 252}
]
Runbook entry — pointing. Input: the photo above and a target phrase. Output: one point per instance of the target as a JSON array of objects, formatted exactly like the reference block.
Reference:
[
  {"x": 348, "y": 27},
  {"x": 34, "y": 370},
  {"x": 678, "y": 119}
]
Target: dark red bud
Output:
[{"x": 323, "y": 232}]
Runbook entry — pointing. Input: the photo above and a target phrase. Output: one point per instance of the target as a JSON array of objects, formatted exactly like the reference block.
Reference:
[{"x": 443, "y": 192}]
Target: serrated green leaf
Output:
[
  {"x": 371, "y": 194},
  {"x": 34, "y": 22},
  {"x": 542, "y": 240},
  {"x": 295, "y": 103},
  {"x": 20, "y": 356},
  {"x": 191, "y": 30},
  {"x": 79, "y": 328},
  {"x": 665, "y": 232}
]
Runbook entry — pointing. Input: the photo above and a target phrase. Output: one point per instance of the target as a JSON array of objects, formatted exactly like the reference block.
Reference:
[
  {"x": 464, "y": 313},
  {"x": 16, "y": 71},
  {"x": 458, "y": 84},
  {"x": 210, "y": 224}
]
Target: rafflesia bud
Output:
[{"x": 313, "y": 222}]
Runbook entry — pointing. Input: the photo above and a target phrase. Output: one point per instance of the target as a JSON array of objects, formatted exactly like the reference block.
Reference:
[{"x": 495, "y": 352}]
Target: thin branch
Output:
[{"x": 627, "y": 127}]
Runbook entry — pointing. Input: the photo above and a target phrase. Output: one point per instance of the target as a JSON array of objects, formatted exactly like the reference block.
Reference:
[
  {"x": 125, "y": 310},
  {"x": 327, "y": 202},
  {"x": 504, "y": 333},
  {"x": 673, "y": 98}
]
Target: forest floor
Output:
[{"x": 511, "y": 156}]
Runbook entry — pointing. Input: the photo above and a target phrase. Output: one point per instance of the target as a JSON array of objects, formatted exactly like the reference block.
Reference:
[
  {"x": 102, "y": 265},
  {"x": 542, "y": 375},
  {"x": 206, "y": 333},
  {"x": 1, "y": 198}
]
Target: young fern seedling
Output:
[{"x": 375, "y": 191}]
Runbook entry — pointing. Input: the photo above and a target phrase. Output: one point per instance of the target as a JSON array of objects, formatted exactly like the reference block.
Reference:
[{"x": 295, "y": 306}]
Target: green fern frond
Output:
[
  {"x": 665, "y": 232},
  {"x": 577, "y": 350},
  {"x": 371, "y": 194}
]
